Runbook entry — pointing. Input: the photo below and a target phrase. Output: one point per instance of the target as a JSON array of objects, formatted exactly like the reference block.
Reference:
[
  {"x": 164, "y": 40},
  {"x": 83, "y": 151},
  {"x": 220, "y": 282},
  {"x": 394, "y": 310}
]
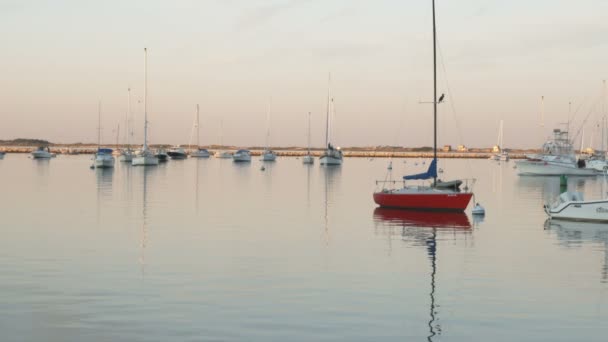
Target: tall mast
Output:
[
  {"x": 127, "y": 131},
  {"x": 603, "y": 115},
  {"x": 434, "y": 93},
  {"x": 145, "y": 99},
  {"x": 327, "y": 117},
  {"x": 268, "y": 124},
  {"x": 198, "y": 130},
  {"x": 309, "y": 133},
  {"x": 99, "y": 124}
]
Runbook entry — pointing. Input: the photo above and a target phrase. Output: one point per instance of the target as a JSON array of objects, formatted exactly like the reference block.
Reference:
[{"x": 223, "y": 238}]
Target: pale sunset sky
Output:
[{"x": 59, "y": 58}]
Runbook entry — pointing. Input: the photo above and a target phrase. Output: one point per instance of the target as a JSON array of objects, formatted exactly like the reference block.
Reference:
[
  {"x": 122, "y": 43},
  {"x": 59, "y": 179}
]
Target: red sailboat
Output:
[{"x": 438, "y": 195}]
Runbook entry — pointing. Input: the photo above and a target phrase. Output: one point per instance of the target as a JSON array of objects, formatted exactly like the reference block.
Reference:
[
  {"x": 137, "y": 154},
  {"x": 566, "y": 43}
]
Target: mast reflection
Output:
[{"x": 422, "y": 228}]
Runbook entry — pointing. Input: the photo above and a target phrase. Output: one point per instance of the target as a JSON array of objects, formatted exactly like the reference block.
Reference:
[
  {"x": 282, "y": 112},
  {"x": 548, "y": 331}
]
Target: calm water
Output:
[{"x": 206, "y": 250}]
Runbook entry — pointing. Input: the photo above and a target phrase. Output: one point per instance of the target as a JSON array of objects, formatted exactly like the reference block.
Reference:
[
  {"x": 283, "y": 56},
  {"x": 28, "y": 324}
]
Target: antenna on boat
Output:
[{"x": 327, "y": 116}]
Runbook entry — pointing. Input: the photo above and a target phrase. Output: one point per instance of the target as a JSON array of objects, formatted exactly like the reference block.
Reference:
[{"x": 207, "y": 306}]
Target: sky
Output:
[{"x": 237, "y": 58}]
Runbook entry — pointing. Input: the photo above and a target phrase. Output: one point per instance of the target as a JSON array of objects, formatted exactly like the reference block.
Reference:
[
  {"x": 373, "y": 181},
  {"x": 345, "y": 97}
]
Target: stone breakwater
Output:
[{"x": 359, "y": 153}]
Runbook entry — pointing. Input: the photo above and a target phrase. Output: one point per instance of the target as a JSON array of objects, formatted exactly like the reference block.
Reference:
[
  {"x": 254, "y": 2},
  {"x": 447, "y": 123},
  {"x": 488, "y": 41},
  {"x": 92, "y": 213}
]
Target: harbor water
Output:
[{"x": 211, "y": 250}]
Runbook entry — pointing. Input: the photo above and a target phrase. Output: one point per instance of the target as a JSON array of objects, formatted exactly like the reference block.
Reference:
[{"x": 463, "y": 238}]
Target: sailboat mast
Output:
[
  {"x": 434, "y": 92},
  {"x": 308, "y": 133},
  {"x": 327, "y": 117},
  {"x": 99, "y": 124},
  {"x": 145, "y": 99},
  {"x": 268, "y": 125},
  {"x": 127, "y": 132},
  {"x": 198, "y": 130}
]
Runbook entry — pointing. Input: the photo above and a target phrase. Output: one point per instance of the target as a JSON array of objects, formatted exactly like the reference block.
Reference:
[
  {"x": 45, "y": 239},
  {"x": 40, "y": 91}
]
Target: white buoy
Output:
[{"x": 478, "y": 210}]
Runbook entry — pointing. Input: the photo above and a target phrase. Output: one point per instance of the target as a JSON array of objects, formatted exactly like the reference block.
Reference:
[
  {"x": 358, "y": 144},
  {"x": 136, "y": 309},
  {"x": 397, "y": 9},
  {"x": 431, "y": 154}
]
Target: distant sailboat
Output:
[
  {"x": 145, "y": 157},
  {"x": 103, "y": 157},
  {"x": 308, "y": 158},
  {"x": 268, "y": 154},
  {"x": 199, "y": 152},
  {"x": 126, "y": 155},
  {"x": 222, "y": 154},
  {"x": 332, "y": 155}
]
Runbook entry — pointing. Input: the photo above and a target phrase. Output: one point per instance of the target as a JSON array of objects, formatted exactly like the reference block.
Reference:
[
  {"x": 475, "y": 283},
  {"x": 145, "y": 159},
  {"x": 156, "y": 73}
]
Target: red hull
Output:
[{"x": 438, "y": 201}]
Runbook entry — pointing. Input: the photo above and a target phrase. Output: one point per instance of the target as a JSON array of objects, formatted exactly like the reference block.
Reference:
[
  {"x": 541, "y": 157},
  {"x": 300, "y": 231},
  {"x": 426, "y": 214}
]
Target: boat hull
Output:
[
  {"x": 242, "y": 159},
  {"x": 200, "y": 154},
  {"x": 542, "y": 168},
  {"x": 308, "y": 159},
  {"x": 269, "y": 157},
  {"x": 441, "y": 201},
  {"x": 104, "y": 162},
  {"x": 177, "y": 155},
  {"x": 41, "y": 155},
  {"x": 146, "y": 160},
  {"x": 126, "y": 157},
  {"x": 223, "y": 155},
  {"x": 329, "y": 160},
  {"x": 594, "y": 211}
]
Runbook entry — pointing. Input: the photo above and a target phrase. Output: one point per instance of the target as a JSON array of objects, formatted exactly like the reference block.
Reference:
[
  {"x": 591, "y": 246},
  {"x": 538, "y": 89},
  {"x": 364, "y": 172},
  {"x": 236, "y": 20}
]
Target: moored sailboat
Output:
[
  {"x": 332, "y": 155},
  {"x": 146, "y": 157},
  {"x": 103, "y": 157},
  {"x": 199, "y": 152},
  {"x": 308, "y": 158},
  {"x": 429, "y": 197}
]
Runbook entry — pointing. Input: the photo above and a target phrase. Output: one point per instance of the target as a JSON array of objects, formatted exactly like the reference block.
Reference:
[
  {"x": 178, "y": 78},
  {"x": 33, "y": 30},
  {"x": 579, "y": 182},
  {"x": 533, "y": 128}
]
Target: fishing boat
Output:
[
  {"x": 241, "y": 156},
  {"x": 199, "y": 152},
  {"x": 308, "y": 158},
  {"x": 42, "y": 152},
  {"x": 571, "y": 205},
  {"x": 126, "y": 154},
  {"x": 104, "y": 158},
  {"x": 426, "y": 197},
  {"x": 557, "y": 158},
  {"x": 332, "y": 155},
  {"x": 146, "y": 157},
  {"x": 177, "y": 152}
]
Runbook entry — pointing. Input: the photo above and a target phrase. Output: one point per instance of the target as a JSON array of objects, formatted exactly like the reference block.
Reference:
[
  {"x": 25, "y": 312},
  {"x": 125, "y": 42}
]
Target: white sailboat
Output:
[
  {"x": 332, "y": 155},
  {"x": 126, "y": 155},
  {"x": 103, "y": 158},
  {"x": 268, "y": 154},
  {"x": 145, "y": 157},
  {"x": 308, "y": 158},
  {"x": 222, "y": 154},
  {"x": 199, "y": 152}
]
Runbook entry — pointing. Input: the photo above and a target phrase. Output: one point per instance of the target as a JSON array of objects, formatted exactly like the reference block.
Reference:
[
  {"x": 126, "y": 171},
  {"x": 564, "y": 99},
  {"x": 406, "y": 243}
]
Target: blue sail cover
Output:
[{"x": 430, "y": 173}]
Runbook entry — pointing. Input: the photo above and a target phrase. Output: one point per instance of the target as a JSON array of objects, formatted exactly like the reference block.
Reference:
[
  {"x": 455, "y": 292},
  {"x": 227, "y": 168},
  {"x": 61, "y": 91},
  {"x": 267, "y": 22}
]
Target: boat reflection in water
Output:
[
  {"x": 423, "y": 229},
  {"x": 574, "y": 234}
]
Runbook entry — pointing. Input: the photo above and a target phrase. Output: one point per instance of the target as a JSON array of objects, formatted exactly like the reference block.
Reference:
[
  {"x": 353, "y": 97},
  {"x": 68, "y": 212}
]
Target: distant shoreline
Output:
[{"x": 354, "y": 152}]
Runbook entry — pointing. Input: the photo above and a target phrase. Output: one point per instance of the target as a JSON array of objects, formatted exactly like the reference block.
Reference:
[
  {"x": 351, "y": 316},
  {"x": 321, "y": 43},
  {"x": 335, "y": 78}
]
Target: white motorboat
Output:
[
  {"x": 200, "y": 153},
  {"x": 162, "y": 155},
  {"x": 104, "y": 158},
  {"x": 558, "y": 158},
  {"x": 504, "y": 156},
  {"x": 268, "y": 155},
  {"x": 145, "y": 157},
  {"x": 223, "y": 155},
  {"x": 599, "y": 165},
  {"x": 332, "y": 155},
  {"x": 42, "y": 152},
  {"x": 572, "y": 206},
  {"x": 241, "y": 156},
  {"x": 177, "y": 152},
  {"x": 308, "y": 158}
]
